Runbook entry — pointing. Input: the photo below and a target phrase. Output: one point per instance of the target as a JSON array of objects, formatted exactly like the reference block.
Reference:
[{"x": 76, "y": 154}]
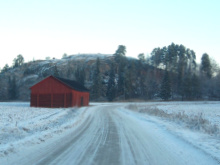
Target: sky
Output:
[{"x": 49, "y": 28}]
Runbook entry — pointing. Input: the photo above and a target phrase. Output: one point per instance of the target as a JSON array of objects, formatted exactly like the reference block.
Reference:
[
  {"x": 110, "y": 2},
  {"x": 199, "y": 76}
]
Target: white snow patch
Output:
[{"x": 22, "y": 125}]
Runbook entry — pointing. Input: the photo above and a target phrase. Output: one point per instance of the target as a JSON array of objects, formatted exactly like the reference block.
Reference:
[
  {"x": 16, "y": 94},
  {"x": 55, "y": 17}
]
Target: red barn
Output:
[{"x": 58, "y": 92}]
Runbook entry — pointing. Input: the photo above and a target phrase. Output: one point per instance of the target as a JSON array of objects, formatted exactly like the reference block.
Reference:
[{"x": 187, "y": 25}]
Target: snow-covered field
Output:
[
  {"x": 21, "y": 125},
  {"x": 199, "y": 116},
  {"x": 125, "y": 133},
  {"x": 196, "y": 122}
]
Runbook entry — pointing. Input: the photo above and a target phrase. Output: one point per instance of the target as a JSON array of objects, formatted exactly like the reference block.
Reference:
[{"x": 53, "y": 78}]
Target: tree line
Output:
[
  {"x": 18, "y": 61},
  {"x": 170, "y": 73}
]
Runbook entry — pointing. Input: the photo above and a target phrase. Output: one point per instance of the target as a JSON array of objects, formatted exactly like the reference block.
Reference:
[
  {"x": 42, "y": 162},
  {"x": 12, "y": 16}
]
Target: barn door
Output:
[
  {"x": 58, "y": 100},
  {"x": 68, "y": 99},
  {"x": 44, "y": 100}
]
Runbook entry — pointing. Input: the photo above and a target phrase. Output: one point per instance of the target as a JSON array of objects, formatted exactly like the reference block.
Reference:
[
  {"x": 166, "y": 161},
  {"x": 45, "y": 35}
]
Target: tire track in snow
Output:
[
  {"x": 51, "y": 156},
  {"x": 109, "y": 150}
]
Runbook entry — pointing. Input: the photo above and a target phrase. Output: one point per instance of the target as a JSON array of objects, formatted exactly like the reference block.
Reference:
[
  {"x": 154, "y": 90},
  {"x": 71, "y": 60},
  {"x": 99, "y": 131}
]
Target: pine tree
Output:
[
  {"x": 111, "y": 89},
  {"x": 120, "y": 52},
  {"x": 165, "y": 90},
  {"x": 187, "y": 87},
  {"x": 128, "y": 84},
  {"x": 206, "y": 67},
  {"x": 97, "y": 81},
  {"x": 131, "y": 80},
  {"x": 120, "y": 61},
  {"x": 80, "y": 75},
  {"x": 196, "y": 89},
  {"x": 5, "y": 68},
  {"x": 141, "y": 76},
  {"x": 141, "y": 57},
  {"x": 18, "y": 61},
  {"x": 12, "y": 89}
]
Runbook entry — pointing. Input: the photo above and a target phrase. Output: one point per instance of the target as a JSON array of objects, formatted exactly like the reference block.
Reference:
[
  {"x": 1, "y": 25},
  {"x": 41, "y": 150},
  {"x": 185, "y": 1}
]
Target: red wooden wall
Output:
[{"x": 52, "y": 93}]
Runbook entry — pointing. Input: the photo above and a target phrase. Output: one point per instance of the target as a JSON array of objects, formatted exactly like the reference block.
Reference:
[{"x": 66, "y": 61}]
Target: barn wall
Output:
[
  {"x": 80, "y": 98},
  {"x": 51, "y": 100},
  {"x": 52, "y": 93}
]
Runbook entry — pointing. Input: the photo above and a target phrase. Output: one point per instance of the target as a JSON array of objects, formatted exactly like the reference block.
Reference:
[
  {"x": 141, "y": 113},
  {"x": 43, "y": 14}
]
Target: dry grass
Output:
[{"x": 195, "y": 122}]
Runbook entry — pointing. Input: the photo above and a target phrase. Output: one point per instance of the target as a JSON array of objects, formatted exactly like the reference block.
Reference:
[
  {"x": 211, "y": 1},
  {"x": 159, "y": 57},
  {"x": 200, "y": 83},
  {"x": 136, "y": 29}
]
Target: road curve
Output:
[{"x": 112, "y": 135}]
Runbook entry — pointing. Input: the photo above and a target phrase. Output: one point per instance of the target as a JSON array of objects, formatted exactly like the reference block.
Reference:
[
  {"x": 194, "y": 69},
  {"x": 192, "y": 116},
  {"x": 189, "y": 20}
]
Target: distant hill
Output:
[
  {"x": 32, "y": 72},
  {"x": 136, "y": 80}
]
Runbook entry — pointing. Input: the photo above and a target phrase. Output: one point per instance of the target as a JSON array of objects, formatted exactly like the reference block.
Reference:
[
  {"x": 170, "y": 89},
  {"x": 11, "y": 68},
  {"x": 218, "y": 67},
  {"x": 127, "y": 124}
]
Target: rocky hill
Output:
[
  {"x": 32, "y": 72},
  {"x": 140, "y": 80}
]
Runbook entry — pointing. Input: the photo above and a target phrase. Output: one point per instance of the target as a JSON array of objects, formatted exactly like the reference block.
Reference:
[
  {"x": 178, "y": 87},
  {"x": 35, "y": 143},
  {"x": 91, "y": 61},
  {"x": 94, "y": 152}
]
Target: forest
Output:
[{"x": 168, "y": 73}]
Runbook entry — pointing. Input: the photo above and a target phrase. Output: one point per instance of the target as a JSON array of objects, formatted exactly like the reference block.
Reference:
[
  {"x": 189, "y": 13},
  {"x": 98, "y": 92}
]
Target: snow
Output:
[
  {"x": 162, "y": 143},
  {"x": 198, "y": 123},
  {"x": 31, "y": 77},
  {"x": 203, "y": 116},
  {"x": 110, "y": 133},
  {"x": 22, "y": 125},
  {"x": 88, "y": 57}
]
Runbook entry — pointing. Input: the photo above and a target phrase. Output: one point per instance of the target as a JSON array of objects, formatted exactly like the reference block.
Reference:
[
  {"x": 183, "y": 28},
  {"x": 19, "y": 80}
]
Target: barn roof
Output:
[{"x": 72, "y": 84}]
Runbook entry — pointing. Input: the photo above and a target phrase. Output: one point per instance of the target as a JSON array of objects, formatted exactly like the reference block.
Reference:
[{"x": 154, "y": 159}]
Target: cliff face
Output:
[{"x": 32, "y": 72}]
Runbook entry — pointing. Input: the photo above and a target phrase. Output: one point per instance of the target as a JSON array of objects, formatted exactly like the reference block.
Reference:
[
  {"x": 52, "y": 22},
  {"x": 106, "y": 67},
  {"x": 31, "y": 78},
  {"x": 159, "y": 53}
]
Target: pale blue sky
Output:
[{"x": 40, "y": 28}]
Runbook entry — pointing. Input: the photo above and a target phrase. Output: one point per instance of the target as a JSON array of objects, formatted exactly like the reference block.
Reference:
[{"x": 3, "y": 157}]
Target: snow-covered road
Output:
[{"x": 111, "y": 135}]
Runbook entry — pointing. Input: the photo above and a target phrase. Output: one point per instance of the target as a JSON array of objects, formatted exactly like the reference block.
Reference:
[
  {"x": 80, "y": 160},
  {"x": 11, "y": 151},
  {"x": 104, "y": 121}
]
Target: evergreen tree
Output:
[
  {"x": 141, "y": 88},
  {"x": 121, "y": 79},
  {"x": 178, "y": 60},
  {"x": 156, "y": 57},
  {"x": 196, "y": 89},
  {"x": 165, "y": 90},
  {"x": 141, "y": 57},
  {"x": 187, "y": 87},
  {"x": 131, "y": 80},
  {"x": 12, "y": 89},
  {"x": 206, "y": 75},
  {"x": 120, "y": 60},
  {"x": 5, "y": 68},
  {"x": 80, "y": 75},
  {"x": 18, "y": 61},
  {"x": 111, "y": 88},
  {"x": 151, "y": 89},
  {"x": 206, "y": 67},
  {"x": 120, "y": 52},
  {"x": 217, "y": 85},
  {"x": 128, "y": 84},
  {"x": 97, "y": 81}
]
